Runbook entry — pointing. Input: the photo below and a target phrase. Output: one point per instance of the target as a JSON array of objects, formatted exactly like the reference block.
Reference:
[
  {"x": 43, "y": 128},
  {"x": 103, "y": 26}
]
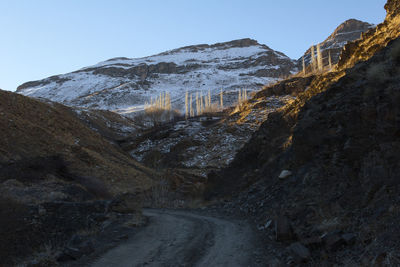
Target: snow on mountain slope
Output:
[{"x": 124, "y": 85}]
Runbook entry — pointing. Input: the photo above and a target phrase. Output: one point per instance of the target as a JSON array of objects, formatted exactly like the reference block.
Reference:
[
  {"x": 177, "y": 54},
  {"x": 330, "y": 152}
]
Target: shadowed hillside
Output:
[
  {"x": 53, "y": 172},
  {"x": 325, "y": 168}
]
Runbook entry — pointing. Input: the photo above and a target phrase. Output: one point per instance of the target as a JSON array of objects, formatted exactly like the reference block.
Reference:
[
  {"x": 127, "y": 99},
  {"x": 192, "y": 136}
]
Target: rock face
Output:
[
  {"x": 122, "y": 83},
  {"x": 340, "y": 139},
  {"x": 348, "y": 31}
]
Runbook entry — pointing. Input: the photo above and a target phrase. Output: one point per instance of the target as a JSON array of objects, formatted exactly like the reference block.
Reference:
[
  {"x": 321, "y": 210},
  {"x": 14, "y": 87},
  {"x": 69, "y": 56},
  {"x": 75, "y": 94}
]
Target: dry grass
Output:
[
  {"x": 33, "y": 129},
  {"x": 155, "y": 116}
]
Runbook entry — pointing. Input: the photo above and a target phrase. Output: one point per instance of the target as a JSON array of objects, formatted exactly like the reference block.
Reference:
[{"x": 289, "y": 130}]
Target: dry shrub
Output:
[{"x": 155, "y": 116}]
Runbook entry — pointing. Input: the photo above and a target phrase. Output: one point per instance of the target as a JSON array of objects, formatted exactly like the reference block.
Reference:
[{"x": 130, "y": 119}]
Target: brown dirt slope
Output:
[
  {"x": 54, "y": 170},
  {"x": 32, "y": 129}
]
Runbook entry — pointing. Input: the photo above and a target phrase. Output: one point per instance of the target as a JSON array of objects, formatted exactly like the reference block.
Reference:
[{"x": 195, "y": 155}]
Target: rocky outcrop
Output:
[
  {"x": 292, "y": 86},
  {"x": 392, "y": 9},
  {"x": 348, "y": 31},
  {"x": 374, "y": 39}
]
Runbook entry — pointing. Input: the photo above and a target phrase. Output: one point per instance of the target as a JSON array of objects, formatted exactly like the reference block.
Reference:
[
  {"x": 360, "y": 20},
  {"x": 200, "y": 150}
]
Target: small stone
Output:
[
  {"x": 284, "y": 174},
  {"x": 300, "y": 252},
  {"x": 349, "y": 238}
]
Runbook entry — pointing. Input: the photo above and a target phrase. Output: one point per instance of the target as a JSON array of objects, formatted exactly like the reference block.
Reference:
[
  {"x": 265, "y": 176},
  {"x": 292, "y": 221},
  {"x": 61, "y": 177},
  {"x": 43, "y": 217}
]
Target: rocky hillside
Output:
[
  {"x": 126, "y": 84},
  {"x": 55, "y": 173},
  {"x": 320, "y": 176},
  {"x": 33, "y": 129},
  {"x": 348, "y": 31}
]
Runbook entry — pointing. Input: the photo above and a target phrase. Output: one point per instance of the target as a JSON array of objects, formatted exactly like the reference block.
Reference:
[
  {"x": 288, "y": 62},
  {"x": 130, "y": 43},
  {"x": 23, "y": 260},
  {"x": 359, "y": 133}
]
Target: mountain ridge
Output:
[{"x": 124, "y": 84}]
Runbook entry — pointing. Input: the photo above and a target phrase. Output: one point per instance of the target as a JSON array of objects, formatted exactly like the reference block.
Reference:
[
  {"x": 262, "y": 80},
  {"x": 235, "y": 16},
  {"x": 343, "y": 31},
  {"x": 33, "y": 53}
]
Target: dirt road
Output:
[{"x": 180, "y": 238}]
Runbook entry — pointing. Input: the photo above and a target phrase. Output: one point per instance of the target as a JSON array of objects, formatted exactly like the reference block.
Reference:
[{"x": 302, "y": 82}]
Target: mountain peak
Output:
[
  {"x": 351, "y": 26},
  {"x": 239, "y": 43},
  {"x": 347, "y": 31}
]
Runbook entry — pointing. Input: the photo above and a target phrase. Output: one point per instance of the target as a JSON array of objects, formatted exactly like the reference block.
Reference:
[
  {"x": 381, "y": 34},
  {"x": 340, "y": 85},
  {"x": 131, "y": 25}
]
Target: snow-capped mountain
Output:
[{"x": 124, "y": 84}]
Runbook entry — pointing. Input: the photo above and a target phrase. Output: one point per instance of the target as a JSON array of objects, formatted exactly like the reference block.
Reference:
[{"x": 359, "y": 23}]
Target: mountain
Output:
[
  {"x": 324, "y": 169},
  {"x": 348, "y": 31},
  {"x": 126, "y": 84}
]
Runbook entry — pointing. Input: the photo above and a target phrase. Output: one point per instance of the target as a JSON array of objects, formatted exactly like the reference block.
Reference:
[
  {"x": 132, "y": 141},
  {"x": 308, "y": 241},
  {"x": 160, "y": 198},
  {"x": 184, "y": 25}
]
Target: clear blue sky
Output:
[{"x": 40, "y": 38}]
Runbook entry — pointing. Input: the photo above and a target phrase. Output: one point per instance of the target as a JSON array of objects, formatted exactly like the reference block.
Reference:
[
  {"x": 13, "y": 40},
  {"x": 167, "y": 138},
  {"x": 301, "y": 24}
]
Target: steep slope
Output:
[
  {"x": 126, "y": 84},
  {"x": 348, "y": 31},
  {"x": 337, "y": 201},
  {"x": 32, "y": 129},
  {"x": 55, "y": 173}
]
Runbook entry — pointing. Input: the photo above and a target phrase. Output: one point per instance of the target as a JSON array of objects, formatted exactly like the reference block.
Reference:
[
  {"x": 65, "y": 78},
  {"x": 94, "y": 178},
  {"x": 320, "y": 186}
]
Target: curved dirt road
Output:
[{"x": 180, "y": 238}]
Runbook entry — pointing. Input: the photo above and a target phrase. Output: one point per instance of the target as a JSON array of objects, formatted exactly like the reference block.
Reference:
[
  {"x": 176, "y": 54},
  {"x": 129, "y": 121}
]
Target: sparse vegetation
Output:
[{"x": 242, "y": 99}]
